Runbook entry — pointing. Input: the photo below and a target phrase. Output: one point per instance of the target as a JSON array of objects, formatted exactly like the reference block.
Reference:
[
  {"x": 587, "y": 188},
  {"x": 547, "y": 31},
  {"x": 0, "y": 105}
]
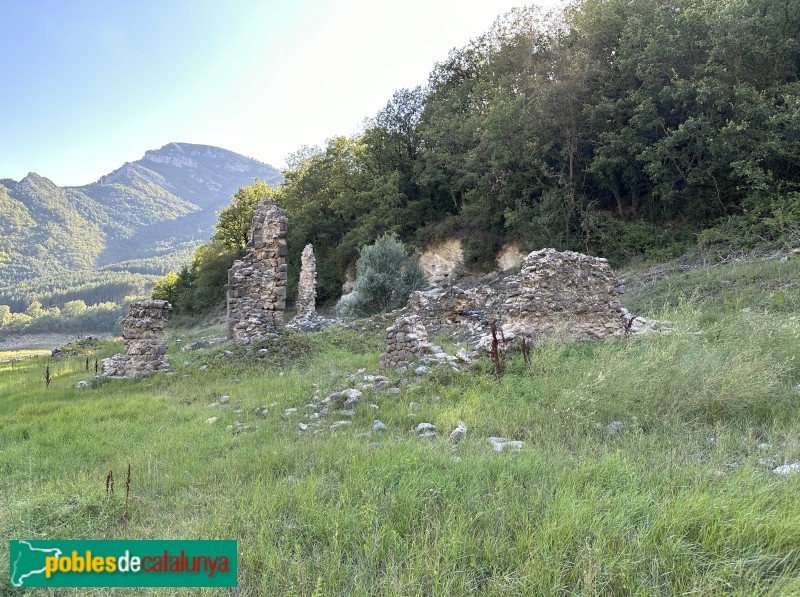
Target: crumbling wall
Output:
[
  {"x": 406, "y": 340},
  {"x": 307, "y": 286},
  {"x": 569, "y": 293},
  {"x": 144, "y": 354},
  {"x": 257, "y": 283}
]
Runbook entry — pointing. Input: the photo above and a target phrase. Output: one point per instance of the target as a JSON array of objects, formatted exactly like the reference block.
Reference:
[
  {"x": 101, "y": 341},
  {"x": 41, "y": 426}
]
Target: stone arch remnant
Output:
[{"x": 257, "y": 283}]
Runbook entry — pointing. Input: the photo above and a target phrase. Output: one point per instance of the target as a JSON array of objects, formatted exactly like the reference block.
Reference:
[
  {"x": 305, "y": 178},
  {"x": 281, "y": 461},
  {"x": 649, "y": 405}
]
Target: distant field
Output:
[
  {"x": 15, "y": 355},
  {"x": 38, "y": 343},
  {"x": 681, "y": 501}
]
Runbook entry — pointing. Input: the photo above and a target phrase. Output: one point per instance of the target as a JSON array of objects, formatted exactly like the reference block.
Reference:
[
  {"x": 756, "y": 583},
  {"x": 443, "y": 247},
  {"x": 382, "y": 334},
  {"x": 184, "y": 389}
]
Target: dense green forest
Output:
[{"x": 631, "y": 130}]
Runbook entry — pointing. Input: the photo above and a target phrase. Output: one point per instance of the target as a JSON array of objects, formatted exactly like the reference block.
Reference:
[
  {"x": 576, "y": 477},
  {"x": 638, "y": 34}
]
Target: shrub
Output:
[{"x": 386, "y": 274}]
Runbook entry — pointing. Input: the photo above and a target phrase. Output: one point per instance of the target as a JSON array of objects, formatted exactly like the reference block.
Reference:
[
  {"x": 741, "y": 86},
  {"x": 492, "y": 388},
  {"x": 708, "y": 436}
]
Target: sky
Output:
[{"x": 88, "y": 85}]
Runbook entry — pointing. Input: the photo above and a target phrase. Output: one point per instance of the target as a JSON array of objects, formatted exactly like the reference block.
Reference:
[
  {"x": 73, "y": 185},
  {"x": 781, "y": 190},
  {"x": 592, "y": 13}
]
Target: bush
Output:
[{"x": 386, "y": 274}]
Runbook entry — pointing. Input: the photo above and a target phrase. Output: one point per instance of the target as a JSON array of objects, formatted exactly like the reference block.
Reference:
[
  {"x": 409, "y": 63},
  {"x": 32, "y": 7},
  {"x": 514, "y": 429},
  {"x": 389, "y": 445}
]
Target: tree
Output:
[
  {"x": 74, "y": 308},
  {"x": 35, "y": 310},
  {"x": 386, "y": 274},
  {"x": 166, "y": 288},
  {"x": 5, "y": 315},
  {"x": 235, "y": 219}
]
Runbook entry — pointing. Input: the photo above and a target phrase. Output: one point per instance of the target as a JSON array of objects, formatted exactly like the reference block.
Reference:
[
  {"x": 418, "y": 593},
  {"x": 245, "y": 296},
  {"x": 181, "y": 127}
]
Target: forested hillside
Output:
[
  {"x": 631, "y": 130},
  {"x": 104, "y": 241}
]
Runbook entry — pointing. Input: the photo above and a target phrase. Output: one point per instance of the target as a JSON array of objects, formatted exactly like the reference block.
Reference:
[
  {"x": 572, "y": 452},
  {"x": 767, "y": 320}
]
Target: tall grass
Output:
[{"x": 675, "y": 503}]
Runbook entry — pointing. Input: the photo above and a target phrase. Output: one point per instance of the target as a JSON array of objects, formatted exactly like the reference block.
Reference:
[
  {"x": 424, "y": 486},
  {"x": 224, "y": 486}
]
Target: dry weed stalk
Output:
[
  {"x": 495, "y": 353},
  {"x": 127, "y": 492},
  {"x": 525, "y": 345}
]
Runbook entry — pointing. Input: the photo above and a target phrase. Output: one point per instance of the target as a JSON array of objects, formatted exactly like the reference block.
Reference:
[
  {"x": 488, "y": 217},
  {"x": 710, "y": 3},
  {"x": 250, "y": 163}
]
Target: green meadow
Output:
[{"x": 681, "y": 501}]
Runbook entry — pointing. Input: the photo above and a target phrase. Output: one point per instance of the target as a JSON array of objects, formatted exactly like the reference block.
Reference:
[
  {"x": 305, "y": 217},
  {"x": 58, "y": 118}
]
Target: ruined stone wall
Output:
[
  {"x": 565, "y": 292},
  {"x": 406, "y": 340},
  {"x": 307, "y": 286},
  {"x": 257, "y": 283},
  {"x": 144, "y": 352}
]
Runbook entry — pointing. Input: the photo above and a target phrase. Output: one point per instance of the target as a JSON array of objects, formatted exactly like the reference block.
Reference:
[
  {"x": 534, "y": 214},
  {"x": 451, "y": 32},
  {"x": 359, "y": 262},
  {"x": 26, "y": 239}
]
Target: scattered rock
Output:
[
  {"x": 764, "y": 446},
  {"x": 500, "y": 443},
  {"x": 82, "y": 384},
  {"x": 413, "y": 405},
  {"x": 787, "y": 469},
  {"x": 459, "y": 432},
  {"x": 212, "y": 420},
  {"x": 196, "y": 345},
  {"x": 615, "y": 426},
  {"x": 289, "y": 411},
  {"x": 203, "y": 367},
  {"x": 392, "y": 390},
  {"x": 263, "y": 352},
  {"x": 351, "y": 393},
  {"x": 225, "y": 400},
  {"x": 339, "y": 424},
  {"x": 378, "y": 426},
  {"x": 423, "y": 427},
  {"x": 421, "y": 370},
  {"x": 302, "y": 426},
  {"x": 352, "y": 398}
]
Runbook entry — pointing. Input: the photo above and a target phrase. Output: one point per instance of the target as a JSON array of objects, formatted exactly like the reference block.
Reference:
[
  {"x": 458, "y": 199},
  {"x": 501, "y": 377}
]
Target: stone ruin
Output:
[
  {"x": 144, "y": 354},
  {"x": 406, "y": 341},
  {"x": 257, "y": 283},
  {"x": 307, "y": 319},
  {"x": 565, "y": 293},
  {"x": 307, "y": 287}
]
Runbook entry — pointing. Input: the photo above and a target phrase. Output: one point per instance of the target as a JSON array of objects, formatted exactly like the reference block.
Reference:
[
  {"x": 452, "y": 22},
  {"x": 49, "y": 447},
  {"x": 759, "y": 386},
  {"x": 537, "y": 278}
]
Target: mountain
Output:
[{"x": 145, "y": 217}]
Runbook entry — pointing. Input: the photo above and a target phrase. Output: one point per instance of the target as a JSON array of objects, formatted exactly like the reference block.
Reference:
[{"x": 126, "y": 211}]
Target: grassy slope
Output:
[{"x": 661, "y": 508}]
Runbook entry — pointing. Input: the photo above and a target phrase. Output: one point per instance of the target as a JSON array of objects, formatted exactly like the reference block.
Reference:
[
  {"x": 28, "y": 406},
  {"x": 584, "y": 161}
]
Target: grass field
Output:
[{"x": 681, "y": 501}]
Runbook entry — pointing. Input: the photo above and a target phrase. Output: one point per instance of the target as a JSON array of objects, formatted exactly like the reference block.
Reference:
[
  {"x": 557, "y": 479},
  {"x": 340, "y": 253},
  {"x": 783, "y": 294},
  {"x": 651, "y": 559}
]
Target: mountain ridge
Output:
[{"x": 159, "y": 206}]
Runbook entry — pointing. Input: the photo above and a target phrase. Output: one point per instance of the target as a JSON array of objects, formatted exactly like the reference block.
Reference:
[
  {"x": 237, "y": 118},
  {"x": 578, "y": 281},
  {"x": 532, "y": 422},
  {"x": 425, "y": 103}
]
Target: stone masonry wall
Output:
[
  {"x": 307, "y": 286},
  {"x": 144, "y": 352},
  {"x": 257, "y": 283},
  {"x": 405, "y": 341},
  {"x": 570, "y": 293}
]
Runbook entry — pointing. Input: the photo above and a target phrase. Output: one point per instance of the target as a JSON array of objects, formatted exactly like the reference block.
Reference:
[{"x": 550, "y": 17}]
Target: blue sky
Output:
[{"x": 89, "y": 85}]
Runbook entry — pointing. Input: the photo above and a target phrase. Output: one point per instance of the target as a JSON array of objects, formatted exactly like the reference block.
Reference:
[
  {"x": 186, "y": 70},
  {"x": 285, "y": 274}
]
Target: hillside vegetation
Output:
[
  {"x": 110, "y": 239},
  {"x": 681, "y": 500},
  {"x": 629, "y": 130}
]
